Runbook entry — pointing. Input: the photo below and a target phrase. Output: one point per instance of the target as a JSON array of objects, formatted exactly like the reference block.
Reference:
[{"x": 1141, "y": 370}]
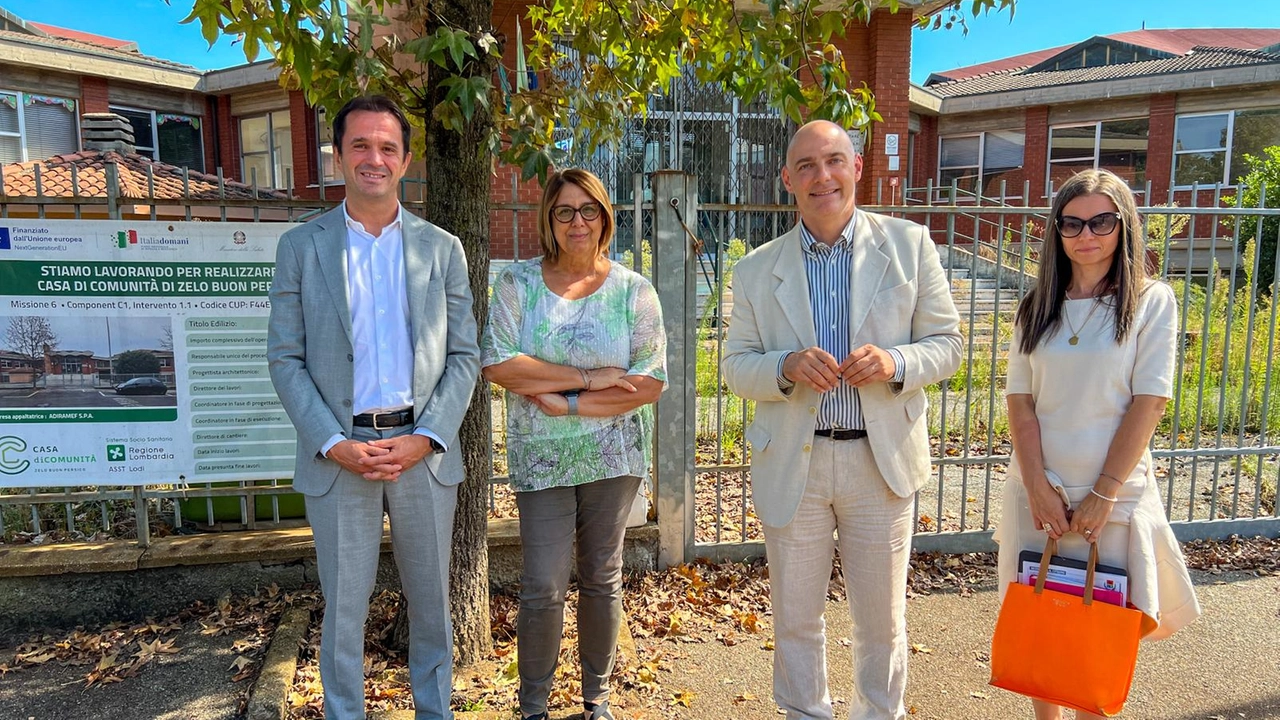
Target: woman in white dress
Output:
[{"x": 1091, "y": 368}]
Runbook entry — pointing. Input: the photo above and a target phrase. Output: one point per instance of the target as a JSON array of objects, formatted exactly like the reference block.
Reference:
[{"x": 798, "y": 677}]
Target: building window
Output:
[
  {"x": 979, "y": 163},
  {"x": 169, "y": 138},
  {"x": 266, "y": 150},
  {"x": 1210, "y": 149},
  {"x": 329, "y": 171},
  {"x": 1116, "y": 145},
  {"x": 36, "y": 127}
]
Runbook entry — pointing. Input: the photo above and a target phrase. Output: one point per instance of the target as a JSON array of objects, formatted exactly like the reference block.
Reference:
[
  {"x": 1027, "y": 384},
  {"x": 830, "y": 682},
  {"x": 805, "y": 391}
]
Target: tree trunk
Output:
[{"x": 459, "y": 173}]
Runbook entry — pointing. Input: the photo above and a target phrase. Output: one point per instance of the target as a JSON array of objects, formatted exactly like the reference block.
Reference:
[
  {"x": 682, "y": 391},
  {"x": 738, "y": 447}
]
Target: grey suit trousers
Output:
[{"x": 347, "y": 526}]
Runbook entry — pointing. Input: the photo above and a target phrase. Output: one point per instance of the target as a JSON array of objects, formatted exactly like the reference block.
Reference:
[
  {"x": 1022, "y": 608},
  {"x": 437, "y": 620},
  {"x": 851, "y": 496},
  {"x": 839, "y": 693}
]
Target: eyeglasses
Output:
[
  {"x": 1100, "y": 224},
  {"x": 565, "y": 213}
]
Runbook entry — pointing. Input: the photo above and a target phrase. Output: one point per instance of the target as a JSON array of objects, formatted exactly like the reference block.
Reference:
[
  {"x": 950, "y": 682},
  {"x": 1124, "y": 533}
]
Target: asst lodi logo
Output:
[{"x": 11, "y": 463}]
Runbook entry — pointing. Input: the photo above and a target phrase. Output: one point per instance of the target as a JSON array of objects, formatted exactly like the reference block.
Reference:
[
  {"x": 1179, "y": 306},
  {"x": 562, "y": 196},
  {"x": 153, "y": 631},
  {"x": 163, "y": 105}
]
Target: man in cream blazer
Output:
[
  {"x": 373, "y": 351},
  {"x": 837, "y": 327}
]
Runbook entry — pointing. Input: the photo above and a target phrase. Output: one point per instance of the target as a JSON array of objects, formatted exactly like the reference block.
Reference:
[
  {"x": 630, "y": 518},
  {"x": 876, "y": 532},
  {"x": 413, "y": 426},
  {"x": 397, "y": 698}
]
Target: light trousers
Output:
[
  {"x": 595, "y": 515},
  {"x": 347, "y": 525},
  {"x": 846, "y": 495}
]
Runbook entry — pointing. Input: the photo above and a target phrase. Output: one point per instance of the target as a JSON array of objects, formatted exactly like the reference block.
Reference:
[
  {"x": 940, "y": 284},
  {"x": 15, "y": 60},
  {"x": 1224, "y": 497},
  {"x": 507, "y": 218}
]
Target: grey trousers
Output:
[
  {"x": 347, "y": 525},
  {"x": 595, "y": 514}
]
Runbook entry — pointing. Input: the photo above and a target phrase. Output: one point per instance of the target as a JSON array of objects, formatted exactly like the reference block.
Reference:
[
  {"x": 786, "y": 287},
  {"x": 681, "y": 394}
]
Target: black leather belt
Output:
[
  {"x": 384, "y": 420},
  {"x": 841, "y": 434}
]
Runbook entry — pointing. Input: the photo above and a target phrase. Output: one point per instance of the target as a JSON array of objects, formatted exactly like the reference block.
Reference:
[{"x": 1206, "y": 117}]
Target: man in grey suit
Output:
[
  {"x": 373, "y": 352},
  {"x": 837, "y": 327}
]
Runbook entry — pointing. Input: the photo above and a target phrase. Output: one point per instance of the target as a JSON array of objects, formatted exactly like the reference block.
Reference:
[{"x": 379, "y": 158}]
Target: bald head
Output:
[
  {"x": 822, "y": 172},
  {"x": 823, "y": 130}
]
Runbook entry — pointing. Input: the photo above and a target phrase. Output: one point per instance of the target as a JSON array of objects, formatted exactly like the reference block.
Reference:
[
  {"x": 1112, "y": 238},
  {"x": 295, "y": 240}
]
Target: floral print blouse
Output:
[{"x": 619, "y": 325}]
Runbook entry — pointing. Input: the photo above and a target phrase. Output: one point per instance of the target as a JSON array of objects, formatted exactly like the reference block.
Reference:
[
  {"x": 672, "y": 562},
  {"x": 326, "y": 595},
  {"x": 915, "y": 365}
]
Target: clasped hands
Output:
[
  {"x": 1056, "y": 519},
  {"x": 819, "y": 370},
  {"x": 554, "y": 404},
  {"x": 382, "y": 459}
]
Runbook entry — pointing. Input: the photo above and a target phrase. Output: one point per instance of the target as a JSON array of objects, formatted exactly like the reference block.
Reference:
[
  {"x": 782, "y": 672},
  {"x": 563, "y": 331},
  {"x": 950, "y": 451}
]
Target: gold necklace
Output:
[{"x": 1075, "y": 334}]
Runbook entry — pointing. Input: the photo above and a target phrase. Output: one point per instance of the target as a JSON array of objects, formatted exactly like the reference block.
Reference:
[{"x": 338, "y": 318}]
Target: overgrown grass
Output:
[
  {"x": 1230, "y": 343},
  {"x": 1231, "y": 337}
]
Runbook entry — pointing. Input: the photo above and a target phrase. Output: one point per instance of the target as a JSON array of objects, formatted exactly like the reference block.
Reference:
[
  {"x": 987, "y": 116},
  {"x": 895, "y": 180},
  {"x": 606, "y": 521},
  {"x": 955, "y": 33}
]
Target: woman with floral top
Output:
[{"x": 577, "y": 341}]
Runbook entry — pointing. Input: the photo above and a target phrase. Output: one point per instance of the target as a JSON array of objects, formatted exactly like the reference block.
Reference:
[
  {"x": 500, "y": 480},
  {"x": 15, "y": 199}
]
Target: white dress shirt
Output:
[{"x": 380, "y": 332}]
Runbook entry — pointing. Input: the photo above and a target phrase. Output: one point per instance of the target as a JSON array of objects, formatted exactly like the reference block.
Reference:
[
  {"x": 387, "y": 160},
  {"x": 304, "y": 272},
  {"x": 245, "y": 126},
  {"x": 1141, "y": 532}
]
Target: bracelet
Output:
[
  {"x": 1104, "y": 497},
  {"x": 571, "y": 398},
  {"x": 586, "y": 379},
  {"x": 1110, "y": 477}
]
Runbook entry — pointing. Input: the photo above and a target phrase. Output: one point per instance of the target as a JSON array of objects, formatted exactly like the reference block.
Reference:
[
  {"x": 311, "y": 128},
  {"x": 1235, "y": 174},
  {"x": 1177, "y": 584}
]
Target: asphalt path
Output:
[
  {"x": 1225, "y": 666},
  {"x": 86, "y": 397}
]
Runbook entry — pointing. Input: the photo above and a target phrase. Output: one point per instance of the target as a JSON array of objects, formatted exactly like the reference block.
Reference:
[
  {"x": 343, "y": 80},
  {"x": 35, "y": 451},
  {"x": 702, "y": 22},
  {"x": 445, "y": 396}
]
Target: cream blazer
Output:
[{"x": 900, "y": 298}]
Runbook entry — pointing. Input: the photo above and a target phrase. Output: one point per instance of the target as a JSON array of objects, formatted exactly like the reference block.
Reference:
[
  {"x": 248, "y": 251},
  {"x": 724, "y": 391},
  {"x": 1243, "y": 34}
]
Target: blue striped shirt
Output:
[{"x": 828, "y": 271}]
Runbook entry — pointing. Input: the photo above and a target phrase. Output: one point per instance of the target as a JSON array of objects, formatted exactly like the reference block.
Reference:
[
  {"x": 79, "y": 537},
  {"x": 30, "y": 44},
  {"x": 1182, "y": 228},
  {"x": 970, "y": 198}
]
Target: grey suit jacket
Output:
[
  {"x": 900, "y": 299},
  {"x": 309, "y": 341}
]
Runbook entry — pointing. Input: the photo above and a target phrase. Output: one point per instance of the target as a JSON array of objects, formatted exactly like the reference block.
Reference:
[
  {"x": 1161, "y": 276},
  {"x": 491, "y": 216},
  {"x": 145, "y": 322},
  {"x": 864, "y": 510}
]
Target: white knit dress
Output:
[{"x": 1081, "y": 394}]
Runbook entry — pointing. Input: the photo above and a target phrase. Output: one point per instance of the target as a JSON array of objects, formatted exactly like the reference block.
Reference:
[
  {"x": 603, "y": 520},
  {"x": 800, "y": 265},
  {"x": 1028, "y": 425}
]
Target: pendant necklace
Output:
[{"x": 1075, "y": 334}]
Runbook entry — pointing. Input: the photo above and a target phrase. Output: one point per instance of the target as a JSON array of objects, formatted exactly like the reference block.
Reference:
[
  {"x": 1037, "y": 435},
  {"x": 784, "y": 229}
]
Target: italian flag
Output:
[{"x": 125, "y": 238}]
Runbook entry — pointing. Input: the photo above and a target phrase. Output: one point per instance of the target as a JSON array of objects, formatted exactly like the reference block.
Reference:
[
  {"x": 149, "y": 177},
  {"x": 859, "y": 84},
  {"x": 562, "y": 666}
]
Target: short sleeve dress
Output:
[
  {"x": 1081, "y": 394},
  {"x": 619, "y": 325}
]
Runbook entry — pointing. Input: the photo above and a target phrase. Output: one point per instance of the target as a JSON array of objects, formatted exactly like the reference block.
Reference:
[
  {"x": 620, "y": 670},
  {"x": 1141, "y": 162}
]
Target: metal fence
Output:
[{"x": 1217, "y": 453}]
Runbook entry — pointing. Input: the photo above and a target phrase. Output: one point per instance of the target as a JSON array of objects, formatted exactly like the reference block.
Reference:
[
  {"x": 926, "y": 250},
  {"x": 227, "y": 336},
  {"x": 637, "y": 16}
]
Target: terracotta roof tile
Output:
[
  {"x": 85, "y": 37},
  {"x": 1201, "y": 58},
  {"x": 55, "y": 178}
]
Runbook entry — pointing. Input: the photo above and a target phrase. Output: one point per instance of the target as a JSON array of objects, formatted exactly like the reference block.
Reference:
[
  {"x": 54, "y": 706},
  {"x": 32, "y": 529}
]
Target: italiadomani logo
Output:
[{"x": 11, "y": 461}]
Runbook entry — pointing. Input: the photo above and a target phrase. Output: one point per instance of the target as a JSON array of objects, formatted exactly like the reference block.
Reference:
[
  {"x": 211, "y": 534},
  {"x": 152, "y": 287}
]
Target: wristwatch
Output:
[{"x": 572, "y": 397}]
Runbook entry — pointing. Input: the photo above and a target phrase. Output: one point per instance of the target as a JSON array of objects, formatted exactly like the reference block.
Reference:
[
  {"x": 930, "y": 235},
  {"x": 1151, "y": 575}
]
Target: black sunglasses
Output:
[
  {"x": 1100, "y": 224},
  {"x": 565, "y": 213}
]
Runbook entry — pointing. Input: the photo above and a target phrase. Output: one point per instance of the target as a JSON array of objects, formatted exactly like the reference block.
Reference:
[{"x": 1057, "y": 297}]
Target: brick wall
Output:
[
  {"x": 925, "y": 162},
  {"x": 1035, "y": 155},
  {"x": 1163, "y": 114},
  {"x": 302, "y": 124},
  {"x": 513, "y": 233},
  {"x": 93, "y": 95},
  {"x": 229, "y": 132},
  {"x": 888, "y": 61},
  {"x": 210, "y": 134}
]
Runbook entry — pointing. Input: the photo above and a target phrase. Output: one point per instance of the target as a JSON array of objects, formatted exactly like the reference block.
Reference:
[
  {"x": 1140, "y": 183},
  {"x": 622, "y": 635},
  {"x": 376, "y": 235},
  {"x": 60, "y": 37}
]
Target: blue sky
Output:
[
  {"x": 1037, "y": 24},
  {"x": 150, "y": 23}
]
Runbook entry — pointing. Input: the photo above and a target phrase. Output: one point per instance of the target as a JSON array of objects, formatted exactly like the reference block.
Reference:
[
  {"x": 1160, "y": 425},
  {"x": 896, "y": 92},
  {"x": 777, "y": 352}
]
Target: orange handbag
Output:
[{"x": 1064, "y": 649}]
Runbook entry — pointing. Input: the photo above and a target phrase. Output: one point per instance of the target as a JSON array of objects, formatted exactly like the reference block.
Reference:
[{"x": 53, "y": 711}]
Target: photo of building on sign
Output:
[{"x": 86, "y": 362}]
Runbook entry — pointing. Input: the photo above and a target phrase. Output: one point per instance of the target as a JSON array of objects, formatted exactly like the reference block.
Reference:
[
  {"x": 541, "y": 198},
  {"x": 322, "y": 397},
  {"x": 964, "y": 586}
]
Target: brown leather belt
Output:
[
  {"x": 384, "y": 420},
  {"x": 841, "y": 434}
]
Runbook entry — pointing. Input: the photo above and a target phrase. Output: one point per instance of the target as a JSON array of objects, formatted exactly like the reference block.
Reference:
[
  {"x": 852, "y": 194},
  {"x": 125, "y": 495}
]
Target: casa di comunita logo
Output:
[{"x": 11, "y": 461}]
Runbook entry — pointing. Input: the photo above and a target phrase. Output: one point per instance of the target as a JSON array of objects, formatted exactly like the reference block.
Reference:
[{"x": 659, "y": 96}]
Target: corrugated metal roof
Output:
[{"x": 1201, "y": 58}]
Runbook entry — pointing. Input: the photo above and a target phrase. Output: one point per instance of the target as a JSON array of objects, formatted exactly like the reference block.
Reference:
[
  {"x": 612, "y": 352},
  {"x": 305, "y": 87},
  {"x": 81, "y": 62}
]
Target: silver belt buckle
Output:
[{"x": 377, "y": 415}]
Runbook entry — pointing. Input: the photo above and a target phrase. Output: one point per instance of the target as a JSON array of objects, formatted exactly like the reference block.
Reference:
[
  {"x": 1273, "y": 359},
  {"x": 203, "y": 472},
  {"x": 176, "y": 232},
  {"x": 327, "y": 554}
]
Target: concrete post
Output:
[{"x": 675, "y": 204}]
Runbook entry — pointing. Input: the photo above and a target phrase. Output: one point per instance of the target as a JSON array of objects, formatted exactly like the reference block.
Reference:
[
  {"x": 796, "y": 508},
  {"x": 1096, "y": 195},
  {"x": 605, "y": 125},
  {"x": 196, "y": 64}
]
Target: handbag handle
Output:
[{"x": 1050, "y": 548}]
